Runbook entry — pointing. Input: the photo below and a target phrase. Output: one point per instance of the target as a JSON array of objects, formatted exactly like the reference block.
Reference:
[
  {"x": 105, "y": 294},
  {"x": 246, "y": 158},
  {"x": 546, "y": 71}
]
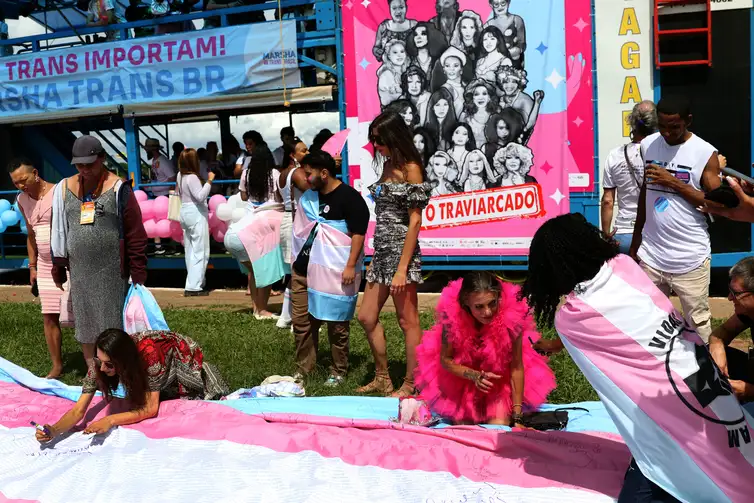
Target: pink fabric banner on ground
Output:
[
  {"x": 203, "y": 451},
  {"x": 499, "y": 101}
]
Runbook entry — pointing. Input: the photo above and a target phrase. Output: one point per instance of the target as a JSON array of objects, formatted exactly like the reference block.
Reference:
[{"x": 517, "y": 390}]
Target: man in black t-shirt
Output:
[
  {"x": 736, "y": 364},
  {"x": 341, "y": 202}
]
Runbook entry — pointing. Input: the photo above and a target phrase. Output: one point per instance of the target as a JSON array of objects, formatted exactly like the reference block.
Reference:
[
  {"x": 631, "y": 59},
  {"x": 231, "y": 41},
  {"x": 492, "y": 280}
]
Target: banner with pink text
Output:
[
  {"x": 498, "y": 95},
  {"x": 180, "y": 66}
]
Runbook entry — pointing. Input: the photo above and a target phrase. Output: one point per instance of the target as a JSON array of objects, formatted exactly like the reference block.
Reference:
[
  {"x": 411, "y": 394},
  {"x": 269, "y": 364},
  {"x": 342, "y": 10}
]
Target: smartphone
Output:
[
  {"x": 740, "y": 176},
  {"x": 35, "y": 289}
]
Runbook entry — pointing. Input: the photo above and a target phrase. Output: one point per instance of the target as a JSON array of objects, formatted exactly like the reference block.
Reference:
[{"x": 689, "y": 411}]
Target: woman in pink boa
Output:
[{"x": 471, "y": 364}]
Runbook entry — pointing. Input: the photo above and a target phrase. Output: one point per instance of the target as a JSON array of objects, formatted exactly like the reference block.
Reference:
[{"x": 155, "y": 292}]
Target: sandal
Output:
[
  {"x": 408, "y": 389},
  {"x": 381, "y": 384}
]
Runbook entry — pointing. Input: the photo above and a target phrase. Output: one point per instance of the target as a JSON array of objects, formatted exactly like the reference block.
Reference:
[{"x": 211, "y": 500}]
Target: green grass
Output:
[{"x": 246, "y": 351}]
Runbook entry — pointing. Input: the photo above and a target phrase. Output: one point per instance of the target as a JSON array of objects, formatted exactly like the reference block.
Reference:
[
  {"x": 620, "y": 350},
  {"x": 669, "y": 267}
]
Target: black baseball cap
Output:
[{"x": 86, "y": 149}]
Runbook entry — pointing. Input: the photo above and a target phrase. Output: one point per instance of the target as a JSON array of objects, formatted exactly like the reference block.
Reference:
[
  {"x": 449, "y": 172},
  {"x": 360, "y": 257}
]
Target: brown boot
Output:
[
  {"x": 381, "y": 384},
  {"x": 408, "y": 389}
]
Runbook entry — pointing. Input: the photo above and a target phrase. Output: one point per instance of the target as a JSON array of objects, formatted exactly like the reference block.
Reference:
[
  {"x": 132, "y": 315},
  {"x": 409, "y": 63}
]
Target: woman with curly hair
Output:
[
  {"x": 425, "y": 44},
  {"x": 394, "y": 63},
  {"x": 512, "y": 165},
  {"x": 395, "y": 28},
  {"x": 511, "y": 83},
  {"x": 152, "y": 366},
  {"x": 443, "y": 174},
  {"x": 414, "y": 84},
  {"x": 493, "y": 54},
  {"x": 502, "y": 128},
  {"x": 400, "y": 195},
  {"x": 477, "y": 365},
  {"x": 248, "y": 239},
  {"x": 652, "y": 371},
  {"x": 480, "y": 101},
  {"x": 441, "y": 117}
]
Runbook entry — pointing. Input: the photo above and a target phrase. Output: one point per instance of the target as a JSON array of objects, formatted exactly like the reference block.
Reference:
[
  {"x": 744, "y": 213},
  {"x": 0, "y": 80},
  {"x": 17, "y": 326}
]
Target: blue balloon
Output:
[
  {"x": 4, "y": 205},
  {"x": 9, "y": 218},
  {"x": 2, "y": 227}
]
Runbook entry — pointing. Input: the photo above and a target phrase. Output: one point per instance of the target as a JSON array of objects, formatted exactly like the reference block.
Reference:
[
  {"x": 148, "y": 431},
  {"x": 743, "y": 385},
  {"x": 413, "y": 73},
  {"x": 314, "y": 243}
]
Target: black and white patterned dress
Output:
[{"x": 392, "y": 202}]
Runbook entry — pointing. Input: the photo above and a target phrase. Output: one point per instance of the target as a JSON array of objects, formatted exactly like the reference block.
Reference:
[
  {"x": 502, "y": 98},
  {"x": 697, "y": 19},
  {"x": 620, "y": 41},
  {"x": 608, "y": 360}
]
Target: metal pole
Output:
[{"x": 132, "y": 150}]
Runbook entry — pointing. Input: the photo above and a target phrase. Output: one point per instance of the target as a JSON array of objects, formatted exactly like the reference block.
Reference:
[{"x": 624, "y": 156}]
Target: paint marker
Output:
[
  {"x": 41, "y": 428},
  {"x": 531, "y": 341}
]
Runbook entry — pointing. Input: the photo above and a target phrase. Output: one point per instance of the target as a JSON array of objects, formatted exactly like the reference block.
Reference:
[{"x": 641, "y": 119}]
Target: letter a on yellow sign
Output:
[
  {"x": 630, "y": 90},
  {"x": 629, "y": 23}
]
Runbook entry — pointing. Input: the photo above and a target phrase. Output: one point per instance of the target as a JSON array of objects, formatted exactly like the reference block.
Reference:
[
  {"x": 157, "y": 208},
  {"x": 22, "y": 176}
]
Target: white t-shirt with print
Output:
[
  {"x": 626, "y": 178},
  {"x": 675, "y": 237}
]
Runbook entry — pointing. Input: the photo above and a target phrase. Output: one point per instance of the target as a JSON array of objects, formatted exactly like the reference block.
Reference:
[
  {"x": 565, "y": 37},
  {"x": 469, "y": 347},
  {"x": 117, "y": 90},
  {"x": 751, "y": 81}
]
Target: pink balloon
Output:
[
  {"x": 219, "y": 234},
  {"x": 216, "y": 201},
  {"x": 161, "y": 204},
  {"x": 140, "y": 195},
  {"x": 162, "y": 228},
  {"x": 213, "y": 221},
  {"x": 175, "y": 227},
  {"x": 177, "y": 235},
  {"x": 147, "y": 210},
  {"x": 150, "y": 226}
]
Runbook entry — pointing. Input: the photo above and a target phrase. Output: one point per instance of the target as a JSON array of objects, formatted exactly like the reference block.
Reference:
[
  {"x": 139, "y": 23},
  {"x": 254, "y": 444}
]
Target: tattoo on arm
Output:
[{"x": 472, "y": 375}]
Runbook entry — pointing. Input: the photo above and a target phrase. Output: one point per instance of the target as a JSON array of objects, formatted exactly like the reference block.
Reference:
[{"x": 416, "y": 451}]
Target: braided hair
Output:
[{"x": 565, "y": 251}]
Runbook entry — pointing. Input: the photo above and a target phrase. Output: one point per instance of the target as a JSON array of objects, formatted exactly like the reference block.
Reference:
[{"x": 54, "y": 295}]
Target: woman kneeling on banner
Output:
[
  {"x": 152, "y": 366},
  {"x": 476, "y": 365},
  {"x": 689, "y": 436}
]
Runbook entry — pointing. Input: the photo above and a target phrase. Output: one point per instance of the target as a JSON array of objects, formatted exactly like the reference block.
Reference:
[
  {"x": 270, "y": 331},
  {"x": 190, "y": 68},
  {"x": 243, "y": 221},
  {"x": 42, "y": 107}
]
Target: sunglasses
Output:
[
  {"x": 738, "y": 294},
  {"x": 376, "y": 140},
  {"x": 99, "y": 363}
]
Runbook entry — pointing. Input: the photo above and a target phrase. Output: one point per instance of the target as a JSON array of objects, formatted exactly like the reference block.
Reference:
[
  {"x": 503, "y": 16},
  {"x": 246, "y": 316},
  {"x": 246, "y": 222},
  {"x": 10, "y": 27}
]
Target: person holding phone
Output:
[
  {"x": 152, "y": 366},
  {"x": 671, "y": 240},
  {"x": 744, "y": 211},
  {"x": 35, "y": 203},
  {"x": 477, "y": 364}
]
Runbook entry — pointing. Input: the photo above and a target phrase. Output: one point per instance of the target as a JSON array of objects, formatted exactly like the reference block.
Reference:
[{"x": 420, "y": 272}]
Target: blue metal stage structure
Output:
[{"x": 50, "y": 139}]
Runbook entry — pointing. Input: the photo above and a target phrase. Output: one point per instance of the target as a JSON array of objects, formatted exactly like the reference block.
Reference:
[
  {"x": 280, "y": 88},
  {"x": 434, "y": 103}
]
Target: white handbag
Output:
[{"x": 174, "y": 202}]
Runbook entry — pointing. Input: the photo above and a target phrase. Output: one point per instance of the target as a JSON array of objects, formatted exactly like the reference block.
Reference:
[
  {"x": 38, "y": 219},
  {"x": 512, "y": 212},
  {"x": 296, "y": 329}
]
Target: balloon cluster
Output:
[
  {"x": 10, "y": 215},
  {"x": 154, "y": 214},
  {"x": 231, "y": 211}
]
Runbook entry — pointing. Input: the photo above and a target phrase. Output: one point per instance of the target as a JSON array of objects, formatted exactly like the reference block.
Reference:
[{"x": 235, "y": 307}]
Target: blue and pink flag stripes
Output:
[{"x": 668, "y": 399}]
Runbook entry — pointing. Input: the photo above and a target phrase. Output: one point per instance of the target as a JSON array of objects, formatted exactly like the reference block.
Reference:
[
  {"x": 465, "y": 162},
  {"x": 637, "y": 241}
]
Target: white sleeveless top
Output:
[
  {"x": 675, "y": 237},
  {"x": 285, "y": 192}
]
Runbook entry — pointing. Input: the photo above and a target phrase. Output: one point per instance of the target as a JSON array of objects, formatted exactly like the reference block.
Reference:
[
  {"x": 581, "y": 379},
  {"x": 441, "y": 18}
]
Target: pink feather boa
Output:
[{"x": 488, "y": 349}]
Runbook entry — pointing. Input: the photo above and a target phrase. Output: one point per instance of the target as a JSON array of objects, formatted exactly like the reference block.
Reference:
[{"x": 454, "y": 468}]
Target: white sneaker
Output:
[{"x": 281, "y": 323}]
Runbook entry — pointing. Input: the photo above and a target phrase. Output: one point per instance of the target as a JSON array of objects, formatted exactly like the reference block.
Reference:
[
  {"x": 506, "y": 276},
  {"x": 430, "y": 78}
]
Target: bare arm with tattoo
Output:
[{"x": 482, "y": 380}]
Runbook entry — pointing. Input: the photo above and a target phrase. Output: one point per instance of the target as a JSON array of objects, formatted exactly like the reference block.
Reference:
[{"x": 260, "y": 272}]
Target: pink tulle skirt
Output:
[{"x": 459, "y": 399}]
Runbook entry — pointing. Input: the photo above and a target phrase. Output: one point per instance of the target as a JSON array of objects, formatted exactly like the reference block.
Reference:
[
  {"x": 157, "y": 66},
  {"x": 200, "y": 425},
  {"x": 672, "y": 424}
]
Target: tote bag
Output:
[{"x": 174, "y": 202}]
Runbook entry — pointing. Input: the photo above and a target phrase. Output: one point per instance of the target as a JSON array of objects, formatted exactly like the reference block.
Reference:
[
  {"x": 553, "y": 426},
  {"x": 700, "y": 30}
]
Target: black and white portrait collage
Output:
[{"x": 460, "y": 84}]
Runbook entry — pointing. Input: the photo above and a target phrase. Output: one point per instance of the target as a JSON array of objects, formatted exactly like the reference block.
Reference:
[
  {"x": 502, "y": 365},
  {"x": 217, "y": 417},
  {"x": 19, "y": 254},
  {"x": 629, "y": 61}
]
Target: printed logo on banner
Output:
[
  {"x": 493, "y": 205},
  {"x": 498, "y": 98}
]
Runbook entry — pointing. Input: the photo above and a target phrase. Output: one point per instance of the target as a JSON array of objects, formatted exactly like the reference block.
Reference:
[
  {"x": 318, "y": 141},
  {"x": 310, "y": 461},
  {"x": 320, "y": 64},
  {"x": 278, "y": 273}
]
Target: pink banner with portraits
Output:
[{"x": 498, "y": 96}]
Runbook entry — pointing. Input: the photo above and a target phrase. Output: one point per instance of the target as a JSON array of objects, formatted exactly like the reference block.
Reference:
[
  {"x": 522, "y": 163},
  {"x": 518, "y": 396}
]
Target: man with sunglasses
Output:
[{"x": 734, "y": 363}]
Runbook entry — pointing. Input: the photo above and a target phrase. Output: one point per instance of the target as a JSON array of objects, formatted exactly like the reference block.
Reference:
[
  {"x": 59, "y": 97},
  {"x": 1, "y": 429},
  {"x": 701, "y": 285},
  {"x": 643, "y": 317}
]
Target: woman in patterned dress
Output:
[
  {"x": 152, "y": 366},
  {"x": 35, "y": 202},
  {"x": 400, "y": 195}
]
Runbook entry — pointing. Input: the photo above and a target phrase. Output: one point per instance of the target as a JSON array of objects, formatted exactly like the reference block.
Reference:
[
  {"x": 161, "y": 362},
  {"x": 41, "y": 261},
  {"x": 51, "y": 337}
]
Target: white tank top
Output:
[
  {"x": 675, "y": 237},
  {"x": 285, "y": 192}
]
